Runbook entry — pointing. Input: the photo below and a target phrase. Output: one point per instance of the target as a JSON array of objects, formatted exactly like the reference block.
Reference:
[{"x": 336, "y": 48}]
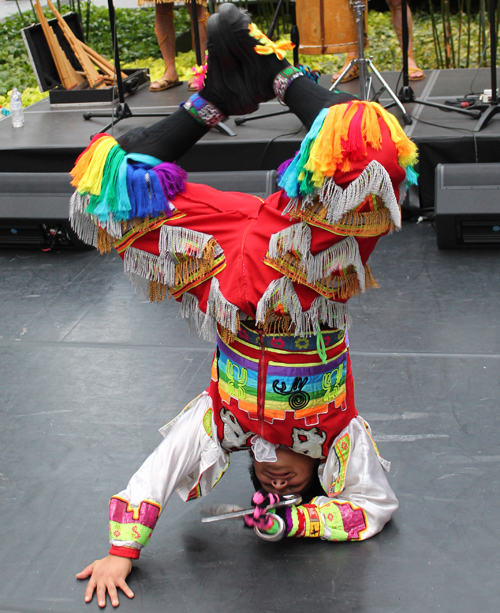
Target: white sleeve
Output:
[
  {"x": 360, "y": 500},
  {"x": 189, "y": 459}
]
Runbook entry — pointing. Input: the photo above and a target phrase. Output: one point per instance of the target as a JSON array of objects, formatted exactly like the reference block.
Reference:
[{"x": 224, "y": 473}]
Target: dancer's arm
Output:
[
  {"x": 135, "y": 510},
  {"x": 360, "y": 500},
  {"x": 359, "y": 503}
]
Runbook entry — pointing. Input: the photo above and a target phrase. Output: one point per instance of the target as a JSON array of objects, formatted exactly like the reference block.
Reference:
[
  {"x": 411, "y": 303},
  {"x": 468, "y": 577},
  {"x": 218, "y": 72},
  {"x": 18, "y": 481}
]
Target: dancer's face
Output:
[{"x": 291, "y": 474}]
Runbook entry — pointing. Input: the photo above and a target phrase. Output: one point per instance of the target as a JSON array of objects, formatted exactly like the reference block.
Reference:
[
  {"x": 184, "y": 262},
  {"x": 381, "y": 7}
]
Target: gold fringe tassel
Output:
[
  {"x": 369, "y": 279},
  {"x": 334, "y": 287},
  {"x": 276, "y": 324},
  {"x": 371, "y": 223},
  {"x": 187, "y": 269},
  {"x": 375, "y": 222},
  {"x": 225, "y": 333},
  {"x": 104, "y": 241},
  {"x": 157, "y": 291}
]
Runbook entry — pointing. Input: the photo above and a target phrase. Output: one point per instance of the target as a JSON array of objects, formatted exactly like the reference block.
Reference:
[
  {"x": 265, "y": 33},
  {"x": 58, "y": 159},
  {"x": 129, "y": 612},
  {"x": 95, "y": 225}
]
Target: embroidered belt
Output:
[{"x": 278, "y": 387}]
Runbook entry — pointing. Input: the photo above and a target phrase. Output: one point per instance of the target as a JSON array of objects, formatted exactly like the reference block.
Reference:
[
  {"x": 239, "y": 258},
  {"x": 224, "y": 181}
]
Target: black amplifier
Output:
[
  {"x": 34, "y": 211},
  {"x": 467, "y": 212}
]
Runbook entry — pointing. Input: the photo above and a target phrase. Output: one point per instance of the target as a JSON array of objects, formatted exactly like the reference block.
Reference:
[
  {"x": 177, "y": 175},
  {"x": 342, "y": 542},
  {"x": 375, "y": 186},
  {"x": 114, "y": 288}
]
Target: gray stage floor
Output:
[{"x": 89, "y": 373}]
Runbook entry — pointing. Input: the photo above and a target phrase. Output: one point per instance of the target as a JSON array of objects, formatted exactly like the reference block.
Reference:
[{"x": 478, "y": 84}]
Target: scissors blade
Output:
[
  {"x": 224, "y": 512},
  {"x": 228, "y": 511}
]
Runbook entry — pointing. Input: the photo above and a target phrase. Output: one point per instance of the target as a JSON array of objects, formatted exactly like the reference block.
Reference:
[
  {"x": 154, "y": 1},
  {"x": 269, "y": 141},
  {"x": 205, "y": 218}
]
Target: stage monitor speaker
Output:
[
  {"x": 467, "y": 212},
  {"x": 34, "y": 211},
  {"x": 34, "y": 206}
]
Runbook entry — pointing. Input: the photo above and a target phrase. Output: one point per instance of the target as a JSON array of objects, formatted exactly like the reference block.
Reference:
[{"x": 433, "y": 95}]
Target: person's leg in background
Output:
[
  {"x": 201, "y": 20},
  {"x": 165, "y": 33},
  {"x": 415, "y": 73}
]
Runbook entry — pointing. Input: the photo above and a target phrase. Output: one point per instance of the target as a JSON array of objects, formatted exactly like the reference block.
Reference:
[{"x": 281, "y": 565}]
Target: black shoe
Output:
[
  {"x": 229, "y": 36},
  {"x": 225, "y": 85}
]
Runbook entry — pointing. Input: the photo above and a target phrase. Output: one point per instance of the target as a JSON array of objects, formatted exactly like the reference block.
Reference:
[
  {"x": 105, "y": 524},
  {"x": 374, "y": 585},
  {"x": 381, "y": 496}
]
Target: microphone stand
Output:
[
  {"x": 365, "y": 64},
  {"x": 494, "y": 104},
  {"x": 122, "y": 110},
  {"x": 406, "y": 93}
]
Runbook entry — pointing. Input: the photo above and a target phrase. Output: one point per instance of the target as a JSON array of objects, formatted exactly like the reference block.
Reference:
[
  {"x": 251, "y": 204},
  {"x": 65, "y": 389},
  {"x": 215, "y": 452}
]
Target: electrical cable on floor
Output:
[
  {"x": 437, "y": 125},
  {"x": 460, "y": 101},
  {"x": 483, "y": 55},
  {"x": 272, "y": 141}
]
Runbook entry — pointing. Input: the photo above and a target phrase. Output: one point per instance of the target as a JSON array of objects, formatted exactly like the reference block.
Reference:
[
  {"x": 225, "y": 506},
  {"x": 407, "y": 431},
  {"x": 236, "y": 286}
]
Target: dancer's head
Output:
[{"x": 292, "y": 473}]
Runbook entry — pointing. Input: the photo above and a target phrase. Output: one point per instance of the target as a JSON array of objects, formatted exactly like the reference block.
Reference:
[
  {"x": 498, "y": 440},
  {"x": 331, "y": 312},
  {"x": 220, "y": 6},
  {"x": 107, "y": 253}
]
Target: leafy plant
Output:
[
  {"x": 136, "y": 37},
  {"x": 448, "y": 38},
  {"x": 460, "y": 36}
]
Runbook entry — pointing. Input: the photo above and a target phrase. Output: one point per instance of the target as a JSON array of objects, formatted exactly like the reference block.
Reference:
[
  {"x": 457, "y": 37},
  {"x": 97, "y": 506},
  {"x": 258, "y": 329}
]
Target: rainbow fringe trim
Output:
[
  {"x": 125, "y": 186},
  {"x": 340, "y": 134}
]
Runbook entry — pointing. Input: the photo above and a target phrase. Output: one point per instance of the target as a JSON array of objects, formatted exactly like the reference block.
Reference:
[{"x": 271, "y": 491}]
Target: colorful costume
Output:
[{"x": 269, "y": 281}]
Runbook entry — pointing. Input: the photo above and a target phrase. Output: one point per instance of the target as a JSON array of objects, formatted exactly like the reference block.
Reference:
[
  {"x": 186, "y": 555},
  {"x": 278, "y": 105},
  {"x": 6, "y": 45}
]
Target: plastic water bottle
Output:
[{"x": 16, "y": 109}]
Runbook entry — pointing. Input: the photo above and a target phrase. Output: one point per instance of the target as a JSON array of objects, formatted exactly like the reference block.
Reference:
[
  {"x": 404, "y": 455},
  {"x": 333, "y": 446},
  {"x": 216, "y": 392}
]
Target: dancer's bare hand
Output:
[{"x": 105, "y": 576}]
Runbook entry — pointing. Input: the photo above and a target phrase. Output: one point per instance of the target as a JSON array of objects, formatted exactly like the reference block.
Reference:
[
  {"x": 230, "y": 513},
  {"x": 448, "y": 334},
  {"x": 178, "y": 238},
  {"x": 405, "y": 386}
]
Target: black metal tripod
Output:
[
  {"x": 494, "y": 108},
  {"x": 122, "y": 110},
  {"x": 366, "y": 64},
  {"x": 406, "y": 93}
]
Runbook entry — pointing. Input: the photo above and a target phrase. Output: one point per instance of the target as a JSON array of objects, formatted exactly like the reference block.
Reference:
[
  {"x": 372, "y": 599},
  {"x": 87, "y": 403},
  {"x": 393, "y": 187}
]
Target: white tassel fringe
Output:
[
  {"x": 373, "y": 180},
  {"x": 182, "y": 240},
  {"x": 85, "y": 225},
  {"x": 140, "y": 285},
  {"x": 80, "y": 221},
  {"x": 203, "y": 324},
  {"x": 149, "y": 266},
  {"x": 334, "y": 314},
  {"x": 297, "y": 238},
  {"x": 219, "y": 310}
]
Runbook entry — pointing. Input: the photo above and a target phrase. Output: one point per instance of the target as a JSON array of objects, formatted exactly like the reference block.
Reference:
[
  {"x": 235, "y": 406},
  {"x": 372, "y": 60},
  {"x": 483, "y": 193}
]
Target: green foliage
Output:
[
  {"x": 15, "y": 69},
  {"x": 136, "y": 36},
  {"x": 139, "y": 48},
  {"x": 135, "y": 27}
]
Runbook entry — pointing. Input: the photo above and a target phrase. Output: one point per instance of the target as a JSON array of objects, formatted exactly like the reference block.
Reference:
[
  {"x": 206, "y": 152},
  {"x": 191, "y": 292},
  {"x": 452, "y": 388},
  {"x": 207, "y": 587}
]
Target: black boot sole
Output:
[
  {"x": 231, "y": 20},
  {"x": 233, "y": 76}
]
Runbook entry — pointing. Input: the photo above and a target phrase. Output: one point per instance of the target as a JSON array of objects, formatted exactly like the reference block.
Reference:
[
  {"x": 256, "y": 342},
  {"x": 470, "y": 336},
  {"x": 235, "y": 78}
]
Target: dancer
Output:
[
  {"x": 269, "y": 281},
  {"x": 165, "y": 33},
  {"x": 414, "y": 72}
]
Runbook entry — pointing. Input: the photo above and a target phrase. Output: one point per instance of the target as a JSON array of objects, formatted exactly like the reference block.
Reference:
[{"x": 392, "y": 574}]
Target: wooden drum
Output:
[{"x": 328, "y": 26}]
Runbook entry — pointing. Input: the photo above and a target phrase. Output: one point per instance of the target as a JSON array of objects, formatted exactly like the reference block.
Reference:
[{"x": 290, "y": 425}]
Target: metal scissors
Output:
[{"x": 231, "y": 512}]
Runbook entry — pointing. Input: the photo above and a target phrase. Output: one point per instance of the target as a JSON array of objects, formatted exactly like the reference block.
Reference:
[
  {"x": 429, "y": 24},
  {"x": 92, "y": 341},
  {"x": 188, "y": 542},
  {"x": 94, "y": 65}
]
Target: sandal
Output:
[
  {"x": 163, "y": 84},
  {"x": 192, "y": 84},
  {"x": 350, "y": 76},
  {"x": 412, "y": 76}
]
